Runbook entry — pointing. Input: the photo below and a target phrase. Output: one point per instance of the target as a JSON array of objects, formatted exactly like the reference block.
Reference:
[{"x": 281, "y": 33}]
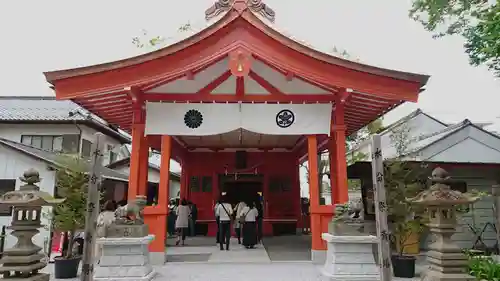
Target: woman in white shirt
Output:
[
  {"x": 182, "y": 222},
  {"x": 249, "y": 214},
  {"x": 224, "y": 211}
]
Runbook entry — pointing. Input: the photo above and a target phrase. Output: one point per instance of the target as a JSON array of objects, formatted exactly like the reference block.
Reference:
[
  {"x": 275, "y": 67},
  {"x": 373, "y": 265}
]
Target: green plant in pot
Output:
[
  {"x": 404, "y": 179},
  {"x": 403, "y": 265},
  {"x": 69, "y": 217}
]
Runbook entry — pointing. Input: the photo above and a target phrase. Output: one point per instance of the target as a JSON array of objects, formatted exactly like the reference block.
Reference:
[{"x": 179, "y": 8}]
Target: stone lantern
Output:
[
  {"x": 446, "y": 260},
  {"x": 24, "y": 260}
]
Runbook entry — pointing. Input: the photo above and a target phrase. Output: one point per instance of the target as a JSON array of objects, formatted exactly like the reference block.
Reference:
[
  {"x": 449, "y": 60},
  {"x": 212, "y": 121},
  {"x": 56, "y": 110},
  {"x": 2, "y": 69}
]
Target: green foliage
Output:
[
  {"x": 477, "y": 20},
  {"x": 71, "y": 183},
  {"x": 360, "y": 136},
  {"x": 484, "y": 268},
  {"x": 145, "y": 41},
  {"x": 403, "y": 179}
]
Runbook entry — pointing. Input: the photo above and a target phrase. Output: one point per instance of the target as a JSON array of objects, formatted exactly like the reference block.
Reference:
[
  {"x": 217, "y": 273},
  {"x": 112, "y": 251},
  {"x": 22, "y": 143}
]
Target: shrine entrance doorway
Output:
[{"x": 238, "y": 191}]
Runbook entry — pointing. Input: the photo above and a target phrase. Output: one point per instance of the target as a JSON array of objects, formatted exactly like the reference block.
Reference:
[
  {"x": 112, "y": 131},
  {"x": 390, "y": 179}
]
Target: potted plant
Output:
[
  {"x": 403, "y": 265},
  {"x": 404, "y": 179},
  {"x": 69, "y": 216}
]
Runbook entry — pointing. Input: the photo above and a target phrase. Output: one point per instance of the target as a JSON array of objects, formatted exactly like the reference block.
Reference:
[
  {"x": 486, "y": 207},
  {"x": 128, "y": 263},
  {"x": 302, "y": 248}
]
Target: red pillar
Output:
[
  {"x": 143, "y": 166},
  {"x": 164, "y": 187},
  {"x": 312, "y": 154},
  {"x": 136, "y": 175},
  {"x": 338, "y": 178},
  {"x": 156, "y": 216}
]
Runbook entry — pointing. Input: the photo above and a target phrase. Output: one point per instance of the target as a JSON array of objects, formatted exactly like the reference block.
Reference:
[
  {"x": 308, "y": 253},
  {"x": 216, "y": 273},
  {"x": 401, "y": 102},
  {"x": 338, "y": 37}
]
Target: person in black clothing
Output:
[
  {"x": 260, "y": 218},
  {"x": 192, "y": 218}
]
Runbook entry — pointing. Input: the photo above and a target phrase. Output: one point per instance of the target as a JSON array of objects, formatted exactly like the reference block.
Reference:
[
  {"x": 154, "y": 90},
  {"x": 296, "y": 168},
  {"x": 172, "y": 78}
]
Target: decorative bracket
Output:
[{"x": 256, "y": 6}]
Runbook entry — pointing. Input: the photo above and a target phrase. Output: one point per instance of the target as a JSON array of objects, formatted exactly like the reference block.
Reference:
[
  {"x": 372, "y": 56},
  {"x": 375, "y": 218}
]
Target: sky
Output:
[{"x": 49, "y": 35}]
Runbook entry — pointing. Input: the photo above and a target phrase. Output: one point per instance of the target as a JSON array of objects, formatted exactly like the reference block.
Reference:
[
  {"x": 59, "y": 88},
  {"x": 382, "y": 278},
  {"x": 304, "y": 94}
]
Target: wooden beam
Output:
[
  {"x": 265, "y": 84},
  {"x": 240, "y": 86},
  {"x": 205, "y": 91},
  {"x": 224, "y": 98}
]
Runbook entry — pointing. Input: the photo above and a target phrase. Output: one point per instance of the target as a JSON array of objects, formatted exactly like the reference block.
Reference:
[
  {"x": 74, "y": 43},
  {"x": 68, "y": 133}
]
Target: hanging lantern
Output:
[{"x": 240, "y": 62}]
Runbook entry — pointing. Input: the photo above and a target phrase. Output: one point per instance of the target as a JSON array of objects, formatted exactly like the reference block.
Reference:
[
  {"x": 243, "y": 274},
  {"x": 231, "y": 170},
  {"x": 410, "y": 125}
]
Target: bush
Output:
[
  {"x": 71, "y": 183},
  {"x": 484, "y": 268}
]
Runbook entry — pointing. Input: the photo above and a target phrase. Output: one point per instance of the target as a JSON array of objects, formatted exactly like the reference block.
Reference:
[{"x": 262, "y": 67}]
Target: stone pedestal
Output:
[
  {"x": 350, "y": 258},
  {"x": 124, "y": 259}
]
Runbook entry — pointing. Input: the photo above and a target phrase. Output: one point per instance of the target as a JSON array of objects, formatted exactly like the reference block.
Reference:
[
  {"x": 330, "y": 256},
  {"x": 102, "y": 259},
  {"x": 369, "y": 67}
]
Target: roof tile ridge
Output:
[{"x": 444, "y": 130}]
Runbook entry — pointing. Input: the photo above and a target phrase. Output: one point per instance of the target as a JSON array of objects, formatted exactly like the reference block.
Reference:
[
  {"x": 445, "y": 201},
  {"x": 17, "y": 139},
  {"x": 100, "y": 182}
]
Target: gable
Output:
[
  {"x": 469, "y": 145},
  {"x": 417, "y": 123}
]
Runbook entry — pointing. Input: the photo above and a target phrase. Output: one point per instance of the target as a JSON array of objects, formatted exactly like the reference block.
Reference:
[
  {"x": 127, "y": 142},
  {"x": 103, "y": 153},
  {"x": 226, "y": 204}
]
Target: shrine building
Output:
[{"x": 239, "y": 105}]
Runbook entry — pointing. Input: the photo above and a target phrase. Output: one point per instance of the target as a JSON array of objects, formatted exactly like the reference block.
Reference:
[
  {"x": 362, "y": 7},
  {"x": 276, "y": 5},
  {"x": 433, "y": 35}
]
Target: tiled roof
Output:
[
  {"x": 53, "y": 158},
  {"x": 152, "y": 165},
  {"x": 48, "y": 109},
  {"x": 38, "y": 109}
]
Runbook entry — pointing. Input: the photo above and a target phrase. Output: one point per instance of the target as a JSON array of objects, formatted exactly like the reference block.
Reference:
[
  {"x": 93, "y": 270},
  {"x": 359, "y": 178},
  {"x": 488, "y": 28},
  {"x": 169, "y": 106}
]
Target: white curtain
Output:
[
  {"x": 202, "y": 119},
  {"x": 191, "y": 119},
  {"x": 287, "y": 119}
]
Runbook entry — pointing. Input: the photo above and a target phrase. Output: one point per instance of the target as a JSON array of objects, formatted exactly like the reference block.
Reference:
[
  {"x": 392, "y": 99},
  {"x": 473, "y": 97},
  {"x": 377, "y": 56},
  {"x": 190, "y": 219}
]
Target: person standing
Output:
[
  {"x": 224, "y": 211},
  {"x": 217, "y": 221},
  {"x": 249, "y": 216},
  {"x": 237, "y": 225},
  {"x": 192, "y": 219},
  {"x": 182, "y": 222},
  {"x": 260, "y": 219}
]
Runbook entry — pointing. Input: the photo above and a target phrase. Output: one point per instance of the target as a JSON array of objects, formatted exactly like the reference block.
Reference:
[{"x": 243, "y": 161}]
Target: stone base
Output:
[
  {"x": 318, "y": 256},
  {"x": 350, "y": 258},
  {"x": 125, "y": 259},
  {"x": 36, "y": 277},
  {"x": 157, "y": 258}
]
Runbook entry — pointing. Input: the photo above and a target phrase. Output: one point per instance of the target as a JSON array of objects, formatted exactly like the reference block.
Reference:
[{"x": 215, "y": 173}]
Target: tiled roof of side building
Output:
[{"x": 47, "y": 109}]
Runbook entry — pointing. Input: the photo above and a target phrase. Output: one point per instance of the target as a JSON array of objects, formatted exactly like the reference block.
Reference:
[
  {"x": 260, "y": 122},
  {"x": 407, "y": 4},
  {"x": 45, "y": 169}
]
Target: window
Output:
[
  {"x": 194, "y": 184},
  {"x": 70, "y": 143},
  {"x": 47, "y": 143},
  {"x": 6, "y": 185},
  {"x": 206, "y": 184},
  {"x": 86, "y": 148},
  {"x": 112, "y": 155}
]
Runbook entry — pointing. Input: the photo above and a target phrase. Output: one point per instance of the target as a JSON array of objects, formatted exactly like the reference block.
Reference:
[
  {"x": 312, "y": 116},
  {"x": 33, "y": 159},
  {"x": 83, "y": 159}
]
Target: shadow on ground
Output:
[
  {"x": 278, "y": 248},
  {"x": 288, "y": 248}
]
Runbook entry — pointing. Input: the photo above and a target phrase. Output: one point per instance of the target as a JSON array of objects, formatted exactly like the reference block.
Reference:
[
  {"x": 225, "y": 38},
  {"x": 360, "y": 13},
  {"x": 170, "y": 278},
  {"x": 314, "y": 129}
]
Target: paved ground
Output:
[
  {"x": 280, "y": 258},
  {"x": 201, "y": 249}
]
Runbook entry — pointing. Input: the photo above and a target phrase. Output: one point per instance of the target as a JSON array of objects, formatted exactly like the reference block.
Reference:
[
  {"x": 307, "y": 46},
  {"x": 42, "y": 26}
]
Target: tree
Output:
[
  {"x": 145, "y": 41},
  {"x": 71, "y": 183},
  {"x": 478, "y": 21},
  {"x": 403, "y": 179},
  {"x": 355, "y": 139}
]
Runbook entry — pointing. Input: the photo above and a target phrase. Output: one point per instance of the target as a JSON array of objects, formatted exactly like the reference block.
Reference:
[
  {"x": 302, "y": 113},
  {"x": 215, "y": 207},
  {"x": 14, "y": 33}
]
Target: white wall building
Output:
[
  {"x": 466, "y": 150},
  {"x": 123, "y": 166},
  {"x": 33, "y": 130}
]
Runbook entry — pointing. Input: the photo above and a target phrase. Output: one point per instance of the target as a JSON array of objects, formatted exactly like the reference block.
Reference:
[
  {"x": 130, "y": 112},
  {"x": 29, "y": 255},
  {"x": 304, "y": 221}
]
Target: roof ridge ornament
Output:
[{"x": 256, "y": 6}]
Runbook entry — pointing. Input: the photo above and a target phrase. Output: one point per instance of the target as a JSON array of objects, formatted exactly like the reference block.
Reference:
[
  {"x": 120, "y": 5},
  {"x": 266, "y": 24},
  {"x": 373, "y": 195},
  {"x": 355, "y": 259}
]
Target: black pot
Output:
[
  {"x": 66, "y": 268},
  {"x": 403, "y": 266}
]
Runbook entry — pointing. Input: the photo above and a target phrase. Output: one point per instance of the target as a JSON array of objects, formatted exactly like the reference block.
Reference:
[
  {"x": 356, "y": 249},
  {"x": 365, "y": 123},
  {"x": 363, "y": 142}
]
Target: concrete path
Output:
[
  {"x": 238, "y": 254},
  {"x": 204, "y": 250}
]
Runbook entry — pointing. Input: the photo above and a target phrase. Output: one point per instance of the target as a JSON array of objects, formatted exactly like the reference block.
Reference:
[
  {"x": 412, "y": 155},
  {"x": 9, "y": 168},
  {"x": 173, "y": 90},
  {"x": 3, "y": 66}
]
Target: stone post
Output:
[
  {"x": 24, "y": 260},
  {"x": 446, "y": 260},
  {"x": 92, "y": 208}
]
